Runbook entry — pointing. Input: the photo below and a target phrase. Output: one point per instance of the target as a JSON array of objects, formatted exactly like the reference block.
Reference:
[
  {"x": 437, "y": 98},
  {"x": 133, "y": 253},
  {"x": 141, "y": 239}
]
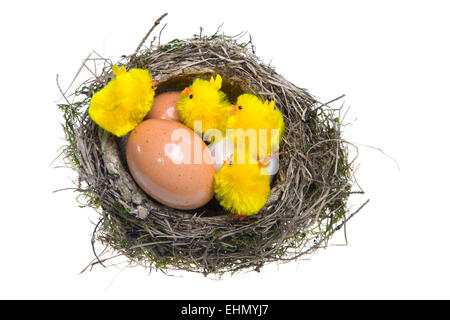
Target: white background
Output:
[{"x": 390, "y": 58}]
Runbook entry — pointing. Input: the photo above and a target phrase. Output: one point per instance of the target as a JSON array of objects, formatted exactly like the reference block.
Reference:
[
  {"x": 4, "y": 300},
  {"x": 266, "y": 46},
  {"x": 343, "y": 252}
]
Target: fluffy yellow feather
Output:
[
  {"x": 242, "y": 188},
  {"x": 124, "y": 102},
  {"x": 251, "y": 113},
  {"x": 204, "y": 101}
]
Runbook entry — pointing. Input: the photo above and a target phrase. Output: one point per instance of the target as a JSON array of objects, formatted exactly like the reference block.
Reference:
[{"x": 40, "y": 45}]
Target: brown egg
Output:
[
  {"x": 166, "y": 167},
  {"x": 165, "y": 107}
]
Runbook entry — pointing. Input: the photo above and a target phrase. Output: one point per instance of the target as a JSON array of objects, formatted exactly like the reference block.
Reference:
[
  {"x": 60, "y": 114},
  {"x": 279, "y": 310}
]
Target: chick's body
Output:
[
  {"x": 204, "y": 101},
  {"x": 251, "y": 113},
  {"x": 124, "y": 102},
  {"x": 242, "y": 188}
]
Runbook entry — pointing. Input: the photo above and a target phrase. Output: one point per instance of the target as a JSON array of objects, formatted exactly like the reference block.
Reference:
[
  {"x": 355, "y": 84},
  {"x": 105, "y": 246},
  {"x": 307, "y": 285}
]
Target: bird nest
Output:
[{"x": 308, "y": 200}]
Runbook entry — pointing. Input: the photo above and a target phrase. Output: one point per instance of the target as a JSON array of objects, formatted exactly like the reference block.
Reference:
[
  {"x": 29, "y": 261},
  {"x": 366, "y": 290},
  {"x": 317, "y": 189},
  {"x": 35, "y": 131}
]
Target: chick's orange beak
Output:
[
  {"x": 154, "y": 86},
  {"x": 186, "y": 91},
  {"x": 233, "y": 110},
  {"x": 265, "y": 161}
]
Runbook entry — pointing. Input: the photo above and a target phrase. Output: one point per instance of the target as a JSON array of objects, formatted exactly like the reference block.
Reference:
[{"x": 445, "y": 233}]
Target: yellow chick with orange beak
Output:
[
  {"x": 266, "y": 123},
  {"x": 123, "y": 103},
  {"x": 204, "y": 101},
  {"x": 243, "y": 188}
]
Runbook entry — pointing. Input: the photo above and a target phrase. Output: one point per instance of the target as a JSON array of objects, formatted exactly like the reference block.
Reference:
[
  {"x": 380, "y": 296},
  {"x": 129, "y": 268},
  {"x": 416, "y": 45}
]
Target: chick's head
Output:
[
  {"x": 250, "y": 112},
  {"x": 204, "y": 101}
]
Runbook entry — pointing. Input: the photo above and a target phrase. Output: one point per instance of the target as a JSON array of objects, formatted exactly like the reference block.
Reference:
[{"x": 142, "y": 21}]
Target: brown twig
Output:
[{"x": 157, "y": 22}]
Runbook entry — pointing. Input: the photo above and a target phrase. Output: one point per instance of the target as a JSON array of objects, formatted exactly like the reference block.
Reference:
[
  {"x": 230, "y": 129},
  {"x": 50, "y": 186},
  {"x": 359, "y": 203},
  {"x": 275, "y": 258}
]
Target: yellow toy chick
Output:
[
  {"x": 124, "y": 102},
  {"x": 242, "y": 188},
  {"x": 251, "y": 113},
  {"x": 204, "y": 101}
]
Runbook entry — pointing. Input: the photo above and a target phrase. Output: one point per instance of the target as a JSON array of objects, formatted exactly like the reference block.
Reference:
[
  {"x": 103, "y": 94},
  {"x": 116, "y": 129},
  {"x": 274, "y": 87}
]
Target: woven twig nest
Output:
[{"x": 307, "y": 203}]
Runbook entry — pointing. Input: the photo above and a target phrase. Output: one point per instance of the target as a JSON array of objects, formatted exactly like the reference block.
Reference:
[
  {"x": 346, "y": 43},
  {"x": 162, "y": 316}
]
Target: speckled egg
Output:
[{"x": 171, "y": 163}]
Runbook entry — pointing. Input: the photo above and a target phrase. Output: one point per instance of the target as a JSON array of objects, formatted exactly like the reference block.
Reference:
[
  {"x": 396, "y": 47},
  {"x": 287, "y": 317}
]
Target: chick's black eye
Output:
[
  {"x": 191, "y": 96},
  {"x": 240, "y": 107}
]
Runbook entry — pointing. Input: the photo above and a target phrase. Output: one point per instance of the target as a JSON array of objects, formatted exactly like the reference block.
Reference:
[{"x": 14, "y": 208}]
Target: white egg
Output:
[
  {"x": 273, "y": 167},
  {"x": 221, "y": 151}
]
